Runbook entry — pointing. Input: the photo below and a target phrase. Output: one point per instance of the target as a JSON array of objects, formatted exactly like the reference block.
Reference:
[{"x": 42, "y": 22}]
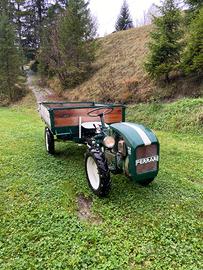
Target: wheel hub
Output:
[{"x": 93, "y": 173}]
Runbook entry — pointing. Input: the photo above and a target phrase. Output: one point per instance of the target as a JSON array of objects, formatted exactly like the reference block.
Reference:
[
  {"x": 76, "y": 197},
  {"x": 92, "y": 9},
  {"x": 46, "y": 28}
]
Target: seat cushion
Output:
[{"x": 91, "y": 125}]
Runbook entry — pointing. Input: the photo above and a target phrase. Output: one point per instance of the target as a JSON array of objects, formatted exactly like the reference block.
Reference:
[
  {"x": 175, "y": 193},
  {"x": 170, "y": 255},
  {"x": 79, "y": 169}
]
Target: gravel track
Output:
[{"x": 41, "y": 93}]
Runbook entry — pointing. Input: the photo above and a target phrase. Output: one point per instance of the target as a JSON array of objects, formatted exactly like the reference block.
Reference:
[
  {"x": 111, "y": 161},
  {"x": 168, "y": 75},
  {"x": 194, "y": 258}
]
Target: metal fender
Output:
[{"x": 137, "y": 136}]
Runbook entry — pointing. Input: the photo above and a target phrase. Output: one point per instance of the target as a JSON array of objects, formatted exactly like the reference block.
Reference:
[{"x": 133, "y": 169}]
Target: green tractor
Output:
[{"x": 113, "y": 145}]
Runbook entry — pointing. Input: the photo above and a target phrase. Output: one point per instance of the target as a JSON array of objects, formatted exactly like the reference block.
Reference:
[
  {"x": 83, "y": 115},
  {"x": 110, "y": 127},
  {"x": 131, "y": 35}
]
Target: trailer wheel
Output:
[
  {"x": 146, "y": 182},
  {"x": 97, "y": 172},
  {"x": 49, "y": 141}
]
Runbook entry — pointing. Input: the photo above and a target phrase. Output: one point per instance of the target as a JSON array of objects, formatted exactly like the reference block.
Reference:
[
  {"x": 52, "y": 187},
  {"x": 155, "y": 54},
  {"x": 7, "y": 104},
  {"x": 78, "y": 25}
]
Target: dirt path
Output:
[{"x": 41, "y": 93}]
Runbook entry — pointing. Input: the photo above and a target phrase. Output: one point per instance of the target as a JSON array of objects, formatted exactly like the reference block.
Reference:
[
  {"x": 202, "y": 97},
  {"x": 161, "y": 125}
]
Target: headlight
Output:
[{"x": 109, "y": 142}]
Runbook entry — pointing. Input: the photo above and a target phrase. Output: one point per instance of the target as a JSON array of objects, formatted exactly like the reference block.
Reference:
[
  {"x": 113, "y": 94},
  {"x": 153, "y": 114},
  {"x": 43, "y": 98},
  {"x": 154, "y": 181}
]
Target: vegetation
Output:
[
  {"x": 30, "y": 18},
  {"x": 120, "y": 75},
  {"x": 124, "y": 20},
  {"x": 151, "y": 228},
  {"x": 60, "y": 37},
  {"x": 185, "y": 115},
  {"x": 165, "y": 46},
  {"x": 194, "y": 7},
  {"x": 9, "y": 61},
  {"x": 193, "y": 54},
  {"x": 57, "y": 35},
  {"x": 168, "y": 55},
  {"x": 71, "y": 46}
]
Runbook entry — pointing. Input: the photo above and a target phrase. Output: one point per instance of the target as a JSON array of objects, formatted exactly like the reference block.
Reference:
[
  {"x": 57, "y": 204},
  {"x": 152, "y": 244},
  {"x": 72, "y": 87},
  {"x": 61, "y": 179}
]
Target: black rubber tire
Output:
[
  {"x": 146, "y": 182},
  {"x": 103, "y": 170},
  {"x": 49, "y": 141}
]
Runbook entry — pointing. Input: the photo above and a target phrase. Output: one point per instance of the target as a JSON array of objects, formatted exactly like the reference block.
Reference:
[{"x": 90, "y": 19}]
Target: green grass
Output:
[
  {"x": 157, "y": 227},
  {"x": 184, "y": 115}
]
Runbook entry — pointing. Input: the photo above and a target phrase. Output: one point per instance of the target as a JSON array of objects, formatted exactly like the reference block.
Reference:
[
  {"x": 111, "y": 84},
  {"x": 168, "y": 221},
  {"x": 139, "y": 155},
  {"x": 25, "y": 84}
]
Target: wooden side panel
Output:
[
  {"x": 70, "y": 117},
  {"x": 62, "y": 105},
  {"x": 45, "y": 115}
]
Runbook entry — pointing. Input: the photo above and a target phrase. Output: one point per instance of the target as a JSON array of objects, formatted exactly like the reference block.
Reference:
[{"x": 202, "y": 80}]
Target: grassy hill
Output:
[{"x": 119, "y": 73}]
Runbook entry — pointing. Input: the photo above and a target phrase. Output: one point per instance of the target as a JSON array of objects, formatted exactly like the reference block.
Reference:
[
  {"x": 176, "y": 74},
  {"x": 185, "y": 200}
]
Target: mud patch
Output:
[{"x": 84, "y": 210}]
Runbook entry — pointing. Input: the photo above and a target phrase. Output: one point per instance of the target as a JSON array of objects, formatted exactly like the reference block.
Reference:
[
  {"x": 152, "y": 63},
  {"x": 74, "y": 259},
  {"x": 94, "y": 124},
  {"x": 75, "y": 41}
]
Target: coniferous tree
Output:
[
  {"x": 19, "y": 18},
  {"x": 35, "y": 13},
  {"x": 194, "y": 5},
  {"x": 9, "y": 60},
  {"x": 165, "y": 46},
  {"x": 72, "y": 45},
  {"x": 76, "y": 41},
  {"x": 49, "y": 49},
  {"x": 192, "y": 60},
  {"x": 124, "y": 20},
  {"x": 30, "y": 17}
]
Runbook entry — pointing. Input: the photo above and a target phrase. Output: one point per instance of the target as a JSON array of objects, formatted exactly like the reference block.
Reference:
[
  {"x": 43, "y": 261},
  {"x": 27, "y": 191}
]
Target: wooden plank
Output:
[
  {"x": 83, "y": 112},
  {"x": 45, "y": 115},
  {"x": 71, "y": 117},
  {"x": 53, "y": 105},
  {"x": 62, "y": 105}
]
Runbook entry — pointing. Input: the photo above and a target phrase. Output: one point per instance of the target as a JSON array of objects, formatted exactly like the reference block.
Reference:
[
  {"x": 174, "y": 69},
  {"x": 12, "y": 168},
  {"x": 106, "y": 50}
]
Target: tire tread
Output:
[{"x": 104, "y": 172}]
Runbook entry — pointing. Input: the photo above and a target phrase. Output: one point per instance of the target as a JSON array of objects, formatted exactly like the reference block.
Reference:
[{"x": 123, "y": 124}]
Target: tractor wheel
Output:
[
  {"x": 146, "y": 182},
  {"x": 97, "y": 171},
  {"x": 49, "y": 141}
]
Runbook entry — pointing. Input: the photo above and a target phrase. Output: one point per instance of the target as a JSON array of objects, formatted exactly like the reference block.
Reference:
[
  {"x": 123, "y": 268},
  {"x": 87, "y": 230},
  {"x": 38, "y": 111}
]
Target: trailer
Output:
[{"x": 113, "y": 145}]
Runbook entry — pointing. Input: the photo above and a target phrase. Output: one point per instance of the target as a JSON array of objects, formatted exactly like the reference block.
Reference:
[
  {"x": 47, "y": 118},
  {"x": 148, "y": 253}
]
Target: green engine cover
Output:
[{"x": 142, "y": 148}]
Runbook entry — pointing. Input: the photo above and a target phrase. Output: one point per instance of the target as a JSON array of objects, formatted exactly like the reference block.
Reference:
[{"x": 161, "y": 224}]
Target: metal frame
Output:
[{"x": 70, "y": 130}]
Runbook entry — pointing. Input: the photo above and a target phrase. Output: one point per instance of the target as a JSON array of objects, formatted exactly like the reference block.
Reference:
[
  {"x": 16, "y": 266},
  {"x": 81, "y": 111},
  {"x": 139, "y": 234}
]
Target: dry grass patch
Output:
[{"x": 120, "y": 74}]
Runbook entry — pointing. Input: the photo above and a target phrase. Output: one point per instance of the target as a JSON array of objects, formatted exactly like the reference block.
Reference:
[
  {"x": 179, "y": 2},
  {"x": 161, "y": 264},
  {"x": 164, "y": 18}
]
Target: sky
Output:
[{"x": 107, "y": 11}]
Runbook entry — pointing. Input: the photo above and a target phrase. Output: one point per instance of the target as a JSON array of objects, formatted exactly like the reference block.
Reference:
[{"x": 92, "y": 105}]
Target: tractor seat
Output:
[{"x": 91, "y": 125}]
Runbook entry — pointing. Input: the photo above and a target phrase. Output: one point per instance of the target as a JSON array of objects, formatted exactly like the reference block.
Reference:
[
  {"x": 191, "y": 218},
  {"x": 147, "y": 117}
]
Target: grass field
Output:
[{"x": 154, "y": 227}]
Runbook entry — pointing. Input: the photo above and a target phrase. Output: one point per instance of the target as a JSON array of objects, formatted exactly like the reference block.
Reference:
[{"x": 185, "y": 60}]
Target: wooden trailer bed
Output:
[{"x": 64, "y": 118}]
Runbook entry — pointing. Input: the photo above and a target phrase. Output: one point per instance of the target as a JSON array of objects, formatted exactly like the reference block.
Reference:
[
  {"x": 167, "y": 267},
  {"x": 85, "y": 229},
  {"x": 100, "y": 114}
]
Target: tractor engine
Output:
[
  {"x": 136, "y": 151},
  {"x": 117, "y": 157}
]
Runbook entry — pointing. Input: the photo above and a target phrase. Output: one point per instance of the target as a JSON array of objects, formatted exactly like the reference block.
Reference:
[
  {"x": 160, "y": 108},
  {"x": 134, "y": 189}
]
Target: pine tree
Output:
[
  {"x": 30, "y": 17},
  {"x": 47, "y": 55},
  {"x": 124, "y": 20},
  {"x": 192, "y": 60},
  {"x": 9, "y": 60},
  {"x": 193, "y": 8},
  {"x": 165, "y": 45},
  {"x": 194, "y": 4},
  {"x": 18, "y": 18},
  {"x": 33, "y": 25},
  {"x": 72, "y": 48}
]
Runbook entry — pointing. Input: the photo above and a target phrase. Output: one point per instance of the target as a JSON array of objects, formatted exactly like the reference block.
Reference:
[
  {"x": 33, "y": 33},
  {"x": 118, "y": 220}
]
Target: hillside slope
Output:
[
  {"x": 119, "y": 66},
  {"x": 119, "y": 73}
]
